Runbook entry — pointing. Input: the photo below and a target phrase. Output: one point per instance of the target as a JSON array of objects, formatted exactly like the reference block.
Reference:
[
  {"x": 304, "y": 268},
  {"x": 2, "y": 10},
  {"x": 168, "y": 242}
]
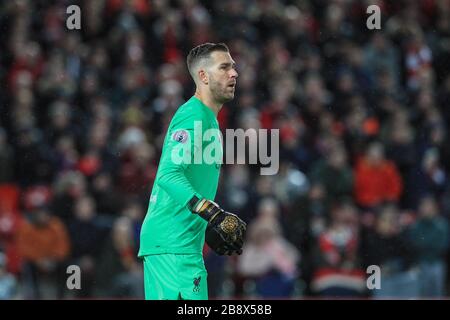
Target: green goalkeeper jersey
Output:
[{"x": 190, "y": 165}]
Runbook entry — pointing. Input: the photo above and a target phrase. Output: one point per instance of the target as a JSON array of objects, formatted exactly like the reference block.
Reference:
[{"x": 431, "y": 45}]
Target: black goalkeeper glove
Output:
[{"x": 225, "y": 231}]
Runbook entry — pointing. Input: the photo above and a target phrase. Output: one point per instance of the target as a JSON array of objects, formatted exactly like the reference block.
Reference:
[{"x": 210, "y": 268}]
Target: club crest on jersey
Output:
[
  {"x": 197, "y": 284},
  {"x": 180, "y": 136}
]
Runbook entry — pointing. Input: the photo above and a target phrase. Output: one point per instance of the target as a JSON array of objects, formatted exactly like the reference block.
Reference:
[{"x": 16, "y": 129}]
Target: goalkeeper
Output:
[{"x": 182, "y": 215}]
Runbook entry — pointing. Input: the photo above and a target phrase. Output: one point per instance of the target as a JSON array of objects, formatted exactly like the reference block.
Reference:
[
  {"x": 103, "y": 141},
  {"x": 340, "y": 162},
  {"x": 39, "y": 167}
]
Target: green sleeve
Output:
[{"x": 172, "y": 177}]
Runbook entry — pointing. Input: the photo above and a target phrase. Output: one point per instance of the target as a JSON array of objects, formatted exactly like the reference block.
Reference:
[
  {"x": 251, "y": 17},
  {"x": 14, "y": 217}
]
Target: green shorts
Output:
[{"x": 175, "y": 277}]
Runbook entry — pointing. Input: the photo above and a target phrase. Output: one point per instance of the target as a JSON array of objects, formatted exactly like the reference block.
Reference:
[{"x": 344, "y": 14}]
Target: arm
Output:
[{"x": 178, "y": 154}]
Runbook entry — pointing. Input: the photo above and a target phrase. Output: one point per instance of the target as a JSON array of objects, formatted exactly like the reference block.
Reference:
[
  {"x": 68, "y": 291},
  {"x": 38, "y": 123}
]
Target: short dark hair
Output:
[{"x": 203, "y": 51}]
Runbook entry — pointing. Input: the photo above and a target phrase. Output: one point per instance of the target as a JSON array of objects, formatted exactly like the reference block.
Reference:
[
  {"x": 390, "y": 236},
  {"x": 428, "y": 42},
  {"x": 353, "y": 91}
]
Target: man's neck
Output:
[{"x": 209, "y": 102}]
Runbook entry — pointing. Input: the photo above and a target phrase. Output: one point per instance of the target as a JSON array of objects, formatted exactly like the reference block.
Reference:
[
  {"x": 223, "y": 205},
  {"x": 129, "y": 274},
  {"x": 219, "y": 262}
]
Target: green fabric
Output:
[
  {"x": 175, "y": 277},
  {"x": 169, "y": 226}
]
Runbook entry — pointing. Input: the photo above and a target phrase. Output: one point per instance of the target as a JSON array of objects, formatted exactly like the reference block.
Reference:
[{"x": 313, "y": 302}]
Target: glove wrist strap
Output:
[
  {"x": 199, "y": 207},
  {"x": 192, "y": 204},
  {"x": 203, "y": 208}
]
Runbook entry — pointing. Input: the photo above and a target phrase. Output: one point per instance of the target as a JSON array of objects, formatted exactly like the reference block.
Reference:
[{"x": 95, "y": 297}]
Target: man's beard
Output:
[{"x": 219, "y": 93}]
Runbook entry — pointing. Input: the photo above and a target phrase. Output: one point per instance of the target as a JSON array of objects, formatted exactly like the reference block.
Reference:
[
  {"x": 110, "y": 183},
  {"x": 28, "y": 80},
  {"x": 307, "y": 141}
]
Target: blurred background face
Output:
[
  {"x": 344, "y": 214},
  {"x": 41, "y": 217},
  {"x": 401, "y": 133},
  {"x": 427, "y": 208},
  {"x": 134, "y": 211},
  {"x": 85, "y": 209},
  {"x": 263, "y": 232},
  {"x": 346, "y": 82},
  {"x": 338, "y": 158},
  {"x": 317, "y": 192},
  {"x": 430, "y": 160},
  {"x": 388, "y": 221},
  {"x": 375, "y": 154},
  {"x": 102, "y": 182},
  {"x": 268, "y": 209},
  {"x": 60, "y": 116}
]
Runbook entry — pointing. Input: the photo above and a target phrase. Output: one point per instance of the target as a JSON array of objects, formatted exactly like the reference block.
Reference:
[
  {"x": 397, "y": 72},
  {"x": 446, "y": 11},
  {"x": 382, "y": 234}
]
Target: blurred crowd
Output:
[{"x": 364, "y": 143}]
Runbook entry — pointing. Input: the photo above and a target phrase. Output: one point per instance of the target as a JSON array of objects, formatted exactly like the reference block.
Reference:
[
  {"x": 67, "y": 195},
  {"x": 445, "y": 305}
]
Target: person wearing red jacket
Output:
[{"x": 377, "y": 179}]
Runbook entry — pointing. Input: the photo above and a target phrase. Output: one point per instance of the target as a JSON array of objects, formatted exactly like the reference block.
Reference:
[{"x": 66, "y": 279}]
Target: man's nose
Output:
[{"x": 234, "y": 73}]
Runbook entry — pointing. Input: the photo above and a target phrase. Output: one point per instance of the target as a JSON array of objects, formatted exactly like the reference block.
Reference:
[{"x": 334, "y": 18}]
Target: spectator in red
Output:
[
  {"x": 338, "y": 270},
  {"x": 44, "y": 244},
  {"x": 376, "y": 179}
]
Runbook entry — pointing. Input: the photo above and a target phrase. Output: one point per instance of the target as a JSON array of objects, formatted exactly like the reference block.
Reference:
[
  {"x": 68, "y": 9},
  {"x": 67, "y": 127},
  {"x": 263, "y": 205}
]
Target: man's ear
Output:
[{"x": 203, "y": 76}]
